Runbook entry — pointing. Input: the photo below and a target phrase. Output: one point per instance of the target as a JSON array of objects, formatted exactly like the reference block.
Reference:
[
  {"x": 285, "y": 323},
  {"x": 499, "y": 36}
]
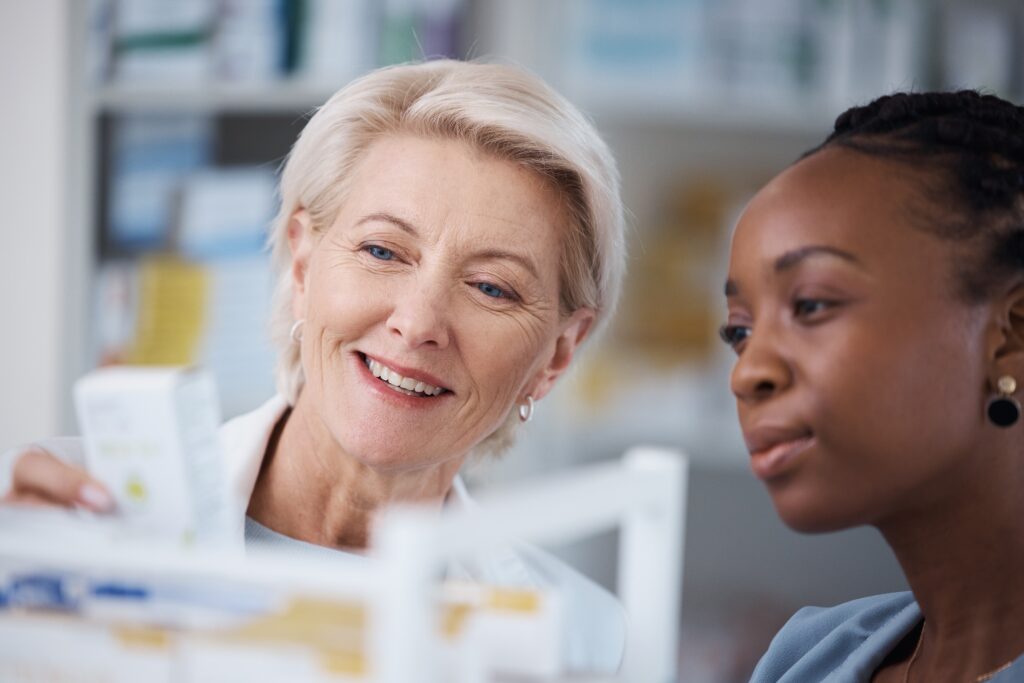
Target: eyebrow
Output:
[
  {"x": 389, "y": 218},
  {"x": 486, "y": 254},
  {"x": 525, "y": 262},
  {"x": 792, "y": 258}
]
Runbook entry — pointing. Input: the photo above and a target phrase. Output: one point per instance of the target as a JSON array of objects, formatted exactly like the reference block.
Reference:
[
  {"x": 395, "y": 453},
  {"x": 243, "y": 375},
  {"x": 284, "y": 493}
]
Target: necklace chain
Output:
[
  {"x": 913, "y": 657},
  {"x": 917, "y": 650},
  {"x": 991, "y": 674}
]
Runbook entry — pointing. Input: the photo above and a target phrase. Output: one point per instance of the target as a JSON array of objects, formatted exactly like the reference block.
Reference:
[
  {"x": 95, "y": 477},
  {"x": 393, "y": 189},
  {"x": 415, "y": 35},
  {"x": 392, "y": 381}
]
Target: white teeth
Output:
[{"x": 393, "y": 378}]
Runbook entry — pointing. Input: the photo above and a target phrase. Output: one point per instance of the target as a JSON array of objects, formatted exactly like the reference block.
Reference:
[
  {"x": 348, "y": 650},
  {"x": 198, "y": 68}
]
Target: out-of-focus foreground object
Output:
[
  {"x": 109, "y": 610},
  {"x": 151, "y": 438}
]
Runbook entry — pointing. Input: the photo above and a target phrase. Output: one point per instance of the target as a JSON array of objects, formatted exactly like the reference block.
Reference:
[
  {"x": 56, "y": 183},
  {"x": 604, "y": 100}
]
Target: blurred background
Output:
[{"x": 141, "y": 139}]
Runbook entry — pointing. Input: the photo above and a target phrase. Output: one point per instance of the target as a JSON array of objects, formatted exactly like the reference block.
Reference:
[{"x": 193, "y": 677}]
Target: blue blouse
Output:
[{"x": 846, "y": 643}]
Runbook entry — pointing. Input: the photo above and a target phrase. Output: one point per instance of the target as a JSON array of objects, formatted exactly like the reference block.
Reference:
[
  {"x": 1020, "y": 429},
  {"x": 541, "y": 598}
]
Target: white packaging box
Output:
[{"x": 151, "y": 436}]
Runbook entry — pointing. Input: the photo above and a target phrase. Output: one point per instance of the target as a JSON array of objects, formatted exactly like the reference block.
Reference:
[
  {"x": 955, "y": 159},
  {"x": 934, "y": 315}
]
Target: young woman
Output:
[{"x": 876, "y": 307}]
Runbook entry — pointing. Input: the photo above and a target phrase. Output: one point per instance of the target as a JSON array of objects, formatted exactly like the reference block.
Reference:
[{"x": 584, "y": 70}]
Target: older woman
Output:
[{"x": 449, "y": 234}]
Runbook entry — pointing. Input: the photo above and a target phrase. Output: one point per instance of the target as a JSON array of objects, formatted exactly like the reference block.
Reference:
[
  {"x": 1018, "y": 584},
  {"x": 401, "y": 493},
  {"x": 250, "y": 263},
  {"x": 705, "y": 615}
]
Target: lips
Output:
[{"x": 774, "y": 448}]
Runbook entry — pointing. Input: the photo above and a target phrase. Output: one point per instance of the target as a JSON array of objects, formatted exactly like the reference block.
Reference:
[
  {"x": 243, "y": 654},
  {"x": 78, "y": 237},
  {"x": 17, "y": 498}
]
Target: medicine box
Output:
[{"x": 151, "y": 436}]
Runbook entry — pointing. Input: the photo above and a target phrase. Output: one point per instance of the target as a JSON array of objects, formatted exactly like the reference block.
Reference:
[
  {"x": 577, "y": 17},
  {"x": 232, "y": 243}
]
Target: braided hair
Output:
[{"x": 965, "y": 152}]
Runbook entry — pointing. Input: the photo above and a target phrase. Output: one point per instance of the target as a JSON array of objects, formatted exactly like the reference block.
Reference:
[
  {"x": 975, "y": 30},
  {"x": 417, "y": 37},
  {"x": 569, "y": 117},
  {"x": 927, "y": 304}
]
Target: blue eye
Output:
[
  {"x": 490, "y": 290},
  {"x": 380, "y": 252}
]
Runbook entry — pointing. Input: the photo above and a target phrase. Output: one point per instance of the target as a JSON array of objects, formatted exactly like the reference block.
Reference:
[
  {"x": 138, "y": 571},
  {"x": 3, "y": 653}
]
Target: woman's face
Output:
[
  {"x": 440, "y": 271},
  {"x": 860, "y": 378}
]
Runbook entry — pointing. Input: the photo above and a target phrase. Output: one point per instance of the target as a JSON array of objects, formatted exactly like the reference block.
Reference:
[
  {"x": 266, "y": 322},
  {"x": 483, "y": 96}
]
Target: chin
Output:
[
  {"x": 812, "y": 524},
  {"x": 384, "y": 454},
  {"x": 812, "y": 514}
]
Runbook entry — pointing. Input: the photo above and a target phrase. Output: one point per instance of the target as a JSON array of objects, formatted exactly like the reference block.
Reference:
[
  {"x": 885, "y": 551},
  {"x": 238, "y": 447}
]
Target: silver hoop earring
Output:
[
  {"x": 526, "y": 409},
  {"x": 296, "y": 332}
]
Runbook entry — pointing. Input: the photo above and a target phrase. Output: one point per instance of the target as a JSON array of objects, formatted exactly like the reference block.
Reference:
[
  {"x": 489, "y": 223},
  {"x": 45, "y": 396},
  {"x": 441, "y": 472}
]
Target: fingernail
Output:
[{"x": 95, "y": 497}]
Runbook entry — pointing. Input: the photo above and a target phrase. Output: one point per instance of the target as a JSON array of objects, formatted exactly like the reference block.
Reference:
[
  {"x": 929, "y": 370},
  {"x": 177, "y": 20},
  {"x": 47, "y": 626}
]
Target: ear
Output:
[
  {"x": 1006, "y": 338},
  {"x": 301, "y": 241},
  {"x": 574, "y": 331}
]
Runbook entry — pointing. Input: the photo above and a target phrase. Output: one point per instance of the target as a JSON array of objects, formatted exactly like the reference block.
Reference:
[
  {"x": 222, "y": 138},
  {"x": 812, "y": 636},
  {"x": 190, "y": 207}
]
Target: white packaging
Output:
[
  {"x": 490, "y": 631},
  {"x": 151, "y": 436}
]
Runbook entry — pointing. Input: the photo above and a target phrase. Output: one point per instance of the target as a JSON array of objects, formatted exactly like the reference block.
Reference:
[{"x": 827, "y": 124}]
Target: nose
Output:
[
  {"x": 420, "y": 315},
  {"x": 761, "y": 371}
]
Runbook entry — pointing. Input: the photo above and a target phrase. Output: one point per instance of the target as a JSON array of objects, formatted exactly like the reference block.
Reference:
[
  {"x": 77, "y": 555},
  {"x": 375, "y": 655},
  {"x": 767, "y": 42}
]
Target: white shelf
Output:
[
  {"x": 801, "y": 116},
  {"x": 715, "y": 444},
  {"x": 265, "y": 97}
]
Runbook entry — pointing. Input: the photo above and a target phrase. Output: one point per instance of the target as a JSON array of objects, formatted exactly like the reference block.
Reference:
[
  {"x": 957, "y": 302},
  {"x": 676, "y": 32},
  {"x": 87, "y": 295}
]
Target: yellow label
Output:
[
  {"x": 511, "y": 600},
  {"x": 343, "y": 663},
  {"x": 143, "y": 638},
  {"x": 135, "y": 489}
]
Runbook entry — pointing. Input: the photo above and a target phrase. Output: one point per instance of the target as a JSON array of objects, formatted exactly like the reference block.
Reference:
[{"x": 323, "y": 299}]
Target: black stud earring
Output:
[{"x": 1004, "y": 410}]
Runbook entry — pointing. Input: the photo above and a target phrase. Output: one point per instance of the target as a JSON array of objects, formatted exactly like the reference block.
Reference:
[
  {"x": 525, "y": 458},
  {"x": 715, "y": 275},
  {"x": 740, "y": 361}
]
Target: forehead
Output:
[
  {"x": 445, "y": 187},
  {"x": 844, "y": 200}
]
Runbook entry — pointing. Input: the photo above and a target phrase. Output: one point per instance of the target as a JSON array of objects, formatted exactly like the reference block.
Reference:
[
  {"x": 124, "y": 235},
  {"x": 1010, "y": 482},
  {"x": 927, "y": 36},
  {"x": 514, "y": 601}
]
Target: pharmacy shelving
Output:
[
  {"x": 701, "y": 126},
  {"x": 706, "y": 110}
]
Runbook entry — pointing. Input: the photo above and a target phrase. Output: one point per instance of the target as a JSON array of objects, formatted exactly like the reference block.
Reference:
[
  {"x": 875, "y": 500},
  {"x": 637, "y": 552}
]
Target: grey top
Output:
[{"x": 846, "y": 643}]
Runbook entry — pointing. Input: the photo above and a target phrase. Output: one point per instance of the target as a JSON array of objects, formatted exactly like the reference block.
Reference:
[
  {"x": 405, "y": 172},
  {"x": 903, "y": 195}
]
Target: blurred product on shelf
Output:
[
  {"x": 684, "y": 54},
  {"x": 139, "y": 42},
  {"x": 172, "y": 308},
  {"x": 161, "y": 40},
  {"x": 150, "y": 155},
  {"x": 642, "y": 47},
  {"x": 163, "y": 310},
  {"x": 194, "y": 287},
  {"x": 199, "y": 618},
  {"x": 670, "y": 314},
  {"x": 224, "y": 211}
]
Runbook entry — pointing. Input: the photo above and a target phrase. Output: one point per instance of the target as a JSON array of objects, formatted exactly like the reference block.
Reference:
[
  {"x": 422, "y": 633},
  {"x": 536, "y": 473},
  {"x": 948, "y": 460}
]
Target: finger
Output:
[
  {"x": 39, "y": 473},
  {"x": 28, "y": 499}
]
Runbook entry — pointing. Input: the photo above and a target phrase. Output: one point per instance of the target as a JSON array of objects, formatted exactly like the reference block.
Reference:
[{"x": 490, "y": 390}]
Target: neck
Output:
[
  {"x": 962, "y": 554},
  {"x": 310, "y": 489}
]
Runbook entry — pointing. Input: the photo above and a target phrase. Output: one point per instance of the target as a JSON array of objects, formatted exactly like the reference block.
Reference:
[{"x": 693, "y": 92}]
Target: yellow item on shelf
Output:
[{"x": 173, "y": 301}]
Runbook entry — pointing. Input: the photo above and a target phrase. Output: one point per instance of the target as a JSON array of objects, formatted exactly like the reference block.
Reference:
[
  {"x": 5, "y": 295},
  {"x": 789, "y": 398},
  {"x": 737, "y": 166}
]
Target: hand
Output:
[{"x": 41, "y": 478}]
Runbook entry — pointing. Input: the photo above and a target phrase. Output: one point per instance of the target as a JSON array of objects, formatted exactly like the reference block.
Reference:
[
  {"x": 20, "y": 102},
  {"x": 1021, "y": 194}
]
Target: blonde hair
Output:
[{"x": 500, "y": 110}]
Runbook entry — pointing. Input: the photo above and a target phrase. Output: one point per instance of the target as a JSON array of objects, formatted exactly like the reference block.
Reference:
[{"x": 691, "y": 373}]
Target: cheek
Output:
[
  {"x": 334, "y": 316},
  {"x": 342, "y": 303},
  {"x": 502, "y": 351},
  {"x": 902, "y": 402}
]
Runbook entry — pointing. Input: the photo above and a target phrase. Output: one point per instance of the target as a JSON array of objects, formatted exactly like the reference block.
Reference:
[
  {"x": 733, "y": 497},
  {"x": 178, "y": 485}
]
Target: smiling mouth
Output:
[{"x": 396, "y": 381}]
